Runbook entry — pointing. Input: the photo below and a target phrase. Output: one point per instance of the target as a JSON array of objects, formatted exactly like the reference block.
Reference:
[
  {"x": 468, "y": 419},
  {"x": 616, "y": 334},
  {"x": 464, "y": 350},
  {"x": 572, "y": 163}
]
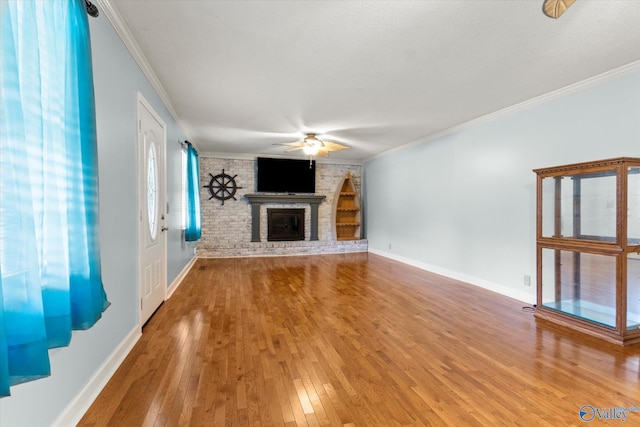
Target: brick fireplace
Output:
[
  {"x": 257, "y": 200},
  {"x": 240, "y": 227}
]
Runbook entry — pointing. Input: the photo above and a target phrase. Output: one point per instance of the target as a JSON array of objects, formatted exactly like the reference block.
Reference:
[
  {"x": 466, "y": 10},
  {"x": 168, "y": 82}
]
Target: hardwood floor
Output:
[{"x": 357, "y": 340}]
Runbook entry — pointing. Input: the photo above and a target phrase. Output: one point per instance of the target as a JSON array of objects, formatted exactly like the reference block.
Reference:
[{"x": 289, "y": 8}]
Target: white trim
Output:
[
  {"x": 178, "y": 280},
  {"x": 485, "y": 284},
  {"x": 75, "y": 410},
  {"x": 119, "y": 24},
  {"x": 572, "y": 88}
]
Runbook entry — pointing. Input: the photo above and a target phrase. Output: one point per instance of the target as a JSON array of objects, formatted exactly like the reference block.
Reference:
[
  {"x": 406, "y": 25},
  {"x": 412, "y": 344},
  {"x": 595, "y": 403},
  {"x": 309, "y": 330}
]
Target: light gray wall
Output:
[
  {"x": 117, "y": 79},
  {"x": 464, "y": 204}
]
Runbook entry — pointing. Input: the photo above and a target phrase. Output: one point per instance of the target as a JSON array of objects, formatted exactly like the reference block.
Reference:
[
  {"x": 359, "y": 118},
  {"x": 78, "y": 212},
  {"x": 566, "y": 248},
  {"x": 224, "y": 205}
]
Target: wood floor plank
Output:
[{"x": 355, "y": 339}]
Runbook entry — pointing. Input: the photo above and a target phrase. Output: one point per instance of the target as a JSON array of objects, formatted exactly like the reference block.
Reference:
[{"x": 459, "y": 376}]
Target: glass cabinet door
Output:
[
  {"x": 633, "y": 205},
  {"x": 581, "y": 206},
  {"x": 633, "y": 291},
  {"x": 580, "y": 284}
]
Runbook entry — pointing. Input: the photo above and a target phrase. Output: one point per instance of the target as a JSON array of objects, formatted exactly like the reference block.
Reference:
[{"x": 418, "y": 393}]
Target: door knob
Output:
[{"x": 163, "y": 228}]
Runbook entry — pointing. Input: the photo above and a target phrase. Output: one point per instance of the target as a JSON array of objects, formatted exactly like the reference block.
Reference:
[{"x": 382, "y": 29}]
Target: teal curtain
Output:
[
  {"x": 50, "y": 279},
  {"x": 193, "y": 226}
]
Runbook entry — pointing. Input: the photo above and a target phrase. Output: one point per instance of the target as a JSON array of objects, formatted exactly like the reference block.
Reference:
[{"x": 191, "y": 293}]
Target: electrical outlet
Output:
[{"x": 527, "y": 280}]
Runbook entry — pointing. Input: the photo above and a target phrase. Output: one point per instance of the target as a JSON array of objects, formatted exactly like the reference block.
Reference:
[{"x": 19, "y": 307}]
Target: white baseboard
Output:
[
  {"x": 76, "y": 409},
  {"x": 178, "y": 280},
  {"x": 485, "y": 284}
]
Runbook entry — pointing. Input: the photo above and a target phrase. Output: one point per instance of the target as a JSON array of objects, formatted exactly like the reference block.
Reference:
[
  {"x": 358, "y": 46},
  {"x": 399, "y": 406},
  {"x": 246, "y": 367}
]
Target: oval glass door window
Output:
[{"x": 152, "y": 191}]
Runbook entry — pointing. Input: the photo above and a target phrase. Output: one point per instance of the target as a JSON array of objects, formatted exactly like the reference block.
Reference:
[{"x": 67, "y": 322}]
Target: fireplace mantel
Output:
[
  {"x": 256, "y": 200},
  {"x": 284, "y": 198}
]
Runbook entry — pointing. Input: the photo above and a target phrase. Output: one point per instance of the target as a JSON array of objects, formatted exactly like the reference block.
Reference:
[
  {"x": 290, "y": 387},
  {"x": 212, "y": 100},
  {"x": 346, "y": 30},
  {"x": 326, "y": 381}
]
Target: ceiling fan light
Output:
[{"x": 310, "y": 150}]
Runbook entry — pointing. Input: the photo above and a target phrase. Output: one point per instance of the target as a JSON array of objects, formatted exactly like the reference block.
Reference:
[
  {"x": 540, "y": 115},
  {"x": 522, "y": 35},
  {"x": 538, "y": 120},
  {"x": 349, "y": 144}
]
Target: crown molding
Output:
[
  {"x": 572, "y": 88},
  {"x": 118, "y": 23}
]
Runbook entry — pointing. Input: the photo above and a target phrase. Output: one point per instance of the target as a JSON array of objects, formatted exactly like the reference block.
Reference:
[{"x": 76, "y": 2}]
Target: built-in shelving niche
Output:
[{"x": 347, "y": 210}]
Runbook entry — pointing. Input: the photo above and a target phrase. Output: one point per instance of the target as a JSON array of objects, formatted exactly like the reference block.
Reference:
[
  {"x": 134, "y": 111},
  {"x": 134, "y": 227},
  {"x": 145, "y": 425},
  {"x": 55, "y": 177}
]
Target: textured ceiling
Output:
[{"x": 243, "y": 75}]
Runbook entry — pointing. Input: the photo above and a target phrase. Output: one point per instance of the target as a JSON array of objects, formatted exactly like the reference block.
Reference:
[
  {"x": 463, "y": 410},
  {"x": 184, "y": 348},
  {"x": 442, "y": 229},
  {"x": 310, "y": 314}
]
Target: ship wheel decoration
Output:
[{"x": 222, "y": 187}]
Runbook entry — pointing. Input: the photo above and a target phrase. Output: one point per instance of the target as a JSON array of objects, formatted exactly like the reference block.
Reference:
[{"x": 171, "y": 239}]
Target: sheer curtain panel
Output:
[
  {"x": 193, "y": 227},
  {"x": 50, "y": 279}
]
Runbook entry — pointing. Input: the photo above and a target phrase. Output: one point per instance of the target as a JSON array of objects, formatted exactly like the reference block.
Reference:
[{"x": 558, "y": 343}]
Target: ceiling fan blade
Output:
[
  {"x": 322, "y": 153},
  {"x": 298, "y": 144},
  {"x": 333, "y": 146},
  {"x": 294, "y": 149},
  {"x": 555, "y": 8}
]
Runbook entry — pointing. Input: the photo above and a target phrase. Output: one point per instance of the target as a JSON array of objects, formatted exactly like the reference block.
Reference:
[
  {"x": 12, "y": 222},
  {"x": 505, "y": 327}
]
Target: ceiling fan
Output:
[
  {"x": 313, "y": 146},
  {"x": 555, "y": 8}
]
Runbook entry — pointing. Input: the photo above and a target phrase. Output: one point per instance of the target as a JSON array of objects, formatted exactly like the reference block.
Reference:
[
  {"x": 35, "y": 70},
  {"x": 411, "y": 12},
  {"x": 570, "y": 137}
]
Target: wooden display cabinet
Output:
[{"x": 588, "y": 248}]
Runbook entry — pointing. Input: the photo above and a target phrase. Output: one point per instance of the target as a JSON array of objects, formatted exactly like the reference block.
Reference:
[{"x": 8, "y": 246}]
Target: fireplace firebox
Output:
[{"x": 285, "y": 225}]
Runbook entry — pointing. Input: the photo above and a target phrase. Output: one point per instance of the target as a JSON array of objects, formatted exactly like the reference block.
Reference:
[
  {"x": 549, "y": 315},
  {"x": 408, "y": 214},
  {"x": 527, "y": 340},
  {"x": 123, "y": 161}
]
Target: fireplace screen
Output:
[{"x": 285, "y": 224}]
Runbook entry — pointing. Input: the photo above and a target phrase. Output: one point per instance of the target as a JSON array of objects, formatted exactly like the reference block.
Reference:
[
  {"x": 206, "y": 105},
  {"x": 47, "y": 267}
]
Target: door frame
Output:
[{"x": 141, "y": 102}]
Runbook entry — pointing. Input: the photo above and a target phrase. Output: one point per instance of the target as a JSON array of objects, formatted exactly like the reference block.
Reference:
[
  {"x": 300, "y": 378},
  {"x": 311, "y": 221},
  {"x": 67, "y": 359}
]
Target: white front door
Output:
[{"x": 152, "y": 210}]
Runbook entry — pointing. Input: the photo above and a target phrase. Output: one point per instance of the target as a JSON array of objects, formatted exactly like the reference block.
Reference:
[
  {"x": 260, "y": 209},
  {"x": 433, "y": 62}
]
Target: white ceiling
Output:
[{"x": 243, "y": 75}]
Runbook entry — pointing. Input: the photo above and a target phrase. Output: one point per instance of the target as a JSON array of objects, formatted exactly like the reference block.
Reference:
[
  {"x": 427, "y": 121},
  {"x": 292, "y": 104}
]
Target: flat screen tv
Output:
[{"x": 286, "y": 176}]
